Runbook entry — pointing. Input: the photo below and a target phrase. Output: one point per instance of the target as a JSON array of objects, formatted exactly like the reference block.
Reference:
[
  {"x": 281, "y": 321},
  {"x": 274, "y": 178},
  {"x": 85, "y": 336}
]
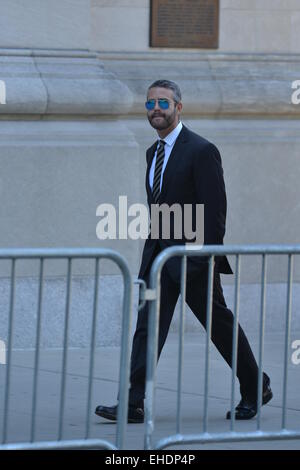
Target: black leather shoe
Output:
[
  {"x": 135, "y": 414},
  {"x": 247, "y": 408}
]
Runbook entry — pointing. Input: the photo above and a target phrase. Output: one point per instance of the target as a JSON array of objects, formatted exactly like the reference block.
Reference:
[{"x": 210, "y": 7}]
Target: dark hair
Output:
[{"x": 170, "y": 86}]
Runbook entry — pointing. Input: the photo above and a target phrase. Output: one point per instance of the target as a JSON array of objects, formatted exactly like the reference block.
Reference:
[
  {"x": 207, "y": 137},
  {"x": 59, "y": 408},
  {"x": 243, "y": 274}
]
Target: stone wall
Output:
[
  {"x": 257, "y": 26},
  {"x": 73, "y": 134}
]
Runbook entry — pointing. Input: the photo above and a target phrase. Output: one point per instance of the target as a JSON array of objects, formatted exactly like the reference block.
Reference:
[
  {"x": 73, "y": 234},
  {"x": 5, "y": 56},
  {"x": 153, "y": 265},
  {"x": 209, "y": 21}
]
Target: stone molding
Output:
[
  {"x": 83, "y": 83},
  {"x": 214, "y": 84},
  {"x": 58, "y": 83}
]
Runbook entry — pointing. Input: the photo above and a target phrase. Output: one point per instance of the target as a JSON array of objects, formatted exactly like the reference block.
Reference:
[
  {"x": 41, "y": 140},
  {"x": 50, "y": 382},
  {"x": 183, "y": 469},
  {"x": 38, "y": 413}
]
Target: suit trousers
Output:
[{"x": 221, "y": 332}]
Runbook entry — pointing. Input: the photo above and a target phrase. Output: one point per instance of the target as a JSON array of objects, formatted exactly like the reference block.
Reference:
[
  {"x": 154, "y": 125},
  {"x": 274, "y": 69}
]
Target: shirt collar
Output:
[{"x": 170, "y": 138}]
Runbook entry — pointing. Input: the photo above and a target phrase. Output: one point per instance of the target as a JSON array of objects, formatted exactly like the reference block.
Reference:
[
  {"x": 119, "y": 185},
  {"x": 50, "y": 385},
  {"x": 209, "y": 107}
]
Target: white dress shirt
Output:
[{"x": 170, "y": 140}]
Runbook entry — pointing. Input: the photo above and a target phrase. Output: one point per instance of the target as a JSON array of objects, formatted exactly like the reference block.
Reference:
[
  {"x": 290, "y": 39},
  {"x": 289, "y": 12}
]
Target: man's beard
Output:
[{"x": 164, "y": 123}]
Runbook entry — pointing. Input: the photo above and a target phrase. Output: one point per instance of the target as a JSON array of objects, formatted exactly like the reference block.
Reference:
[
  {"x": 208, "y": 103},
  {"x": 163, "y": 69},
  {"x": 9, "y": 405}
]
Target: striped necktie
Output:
[{"x": 158, "y": 168}]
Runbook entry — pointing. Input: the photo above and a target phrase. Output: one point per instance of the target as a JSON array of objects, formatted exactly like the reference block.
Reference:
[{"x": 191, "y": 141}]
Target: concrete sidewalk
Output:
[{"x": 105, "y": 387}]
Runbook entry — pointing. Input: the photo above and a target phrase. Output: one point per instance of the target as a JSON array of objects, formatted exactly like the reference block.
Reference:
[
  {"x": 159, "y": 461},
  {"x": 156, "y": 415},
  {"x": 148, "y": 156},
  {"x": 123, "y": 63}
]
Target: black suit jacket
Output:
[{"x": 193, "y": 175}]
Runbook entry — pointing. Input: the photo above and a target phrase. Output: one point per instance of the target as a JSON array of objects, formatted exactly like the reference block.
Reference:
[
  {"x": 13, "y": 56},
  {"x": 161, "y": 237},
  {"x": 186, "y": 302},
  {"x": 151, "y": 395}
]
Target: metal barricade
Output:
[
  {"x": 153, "y": 296},
  {"x": 70, "y": 254}
]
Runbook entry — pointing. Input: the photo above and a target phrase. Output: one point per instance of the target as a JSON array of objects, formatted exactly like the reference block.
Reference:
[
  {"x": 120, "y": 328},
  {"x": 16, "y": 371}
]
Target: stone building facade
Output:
[{"x": 73, "y": 135}]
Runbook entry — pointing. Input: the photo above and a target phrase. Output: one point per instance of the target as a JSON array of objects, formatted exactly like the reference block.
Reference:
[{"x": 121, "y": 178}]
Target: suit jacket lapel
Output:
[{"x": 150, "y": 156}]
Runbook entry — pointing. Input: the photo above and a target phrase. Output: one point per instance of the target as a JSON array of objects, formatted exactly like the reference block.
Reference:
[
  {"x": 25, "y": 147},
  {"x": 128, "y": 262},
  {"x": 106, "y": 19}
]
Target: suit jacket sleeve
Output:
[{"x": 210, "y": 191}]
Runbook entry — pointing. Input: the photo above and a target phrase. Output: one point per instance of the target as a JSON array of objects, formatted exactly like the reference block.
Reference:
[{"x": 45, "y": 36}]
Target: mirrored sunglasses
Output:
[{"x": 162, "y": 103}]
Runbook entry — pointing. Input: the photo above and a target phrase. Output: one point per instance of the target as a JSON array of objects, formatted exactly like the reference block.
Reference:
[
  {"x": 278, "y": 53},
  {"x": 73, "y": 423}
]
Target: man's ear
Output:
[{"x": 179, "y": 107}]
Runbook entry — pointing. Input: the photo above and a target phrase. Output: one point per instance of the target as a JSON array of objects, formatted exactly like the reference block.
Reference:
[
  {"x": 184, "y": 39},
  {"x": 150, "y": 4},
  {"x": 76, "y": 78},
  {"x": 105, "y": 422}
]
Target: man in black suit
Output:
[{"x": 184, "y": 168}]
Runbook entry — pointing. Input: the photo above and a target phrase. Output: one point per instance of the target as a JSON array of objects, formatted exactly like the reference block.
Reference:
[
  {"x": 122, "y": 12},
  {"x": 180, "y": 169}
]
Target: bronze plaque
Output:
[{"x": 184, "y": 23}]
